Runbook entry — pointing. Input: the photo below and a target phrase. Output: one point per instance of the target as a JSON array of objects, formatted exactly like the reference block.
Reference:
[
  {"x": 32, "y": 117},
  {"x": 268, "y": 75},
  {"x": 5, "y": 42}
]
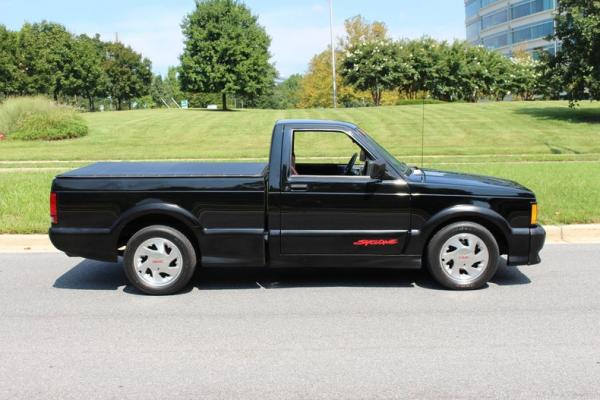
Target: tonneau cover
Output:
[{"x": 166, "y": 169}]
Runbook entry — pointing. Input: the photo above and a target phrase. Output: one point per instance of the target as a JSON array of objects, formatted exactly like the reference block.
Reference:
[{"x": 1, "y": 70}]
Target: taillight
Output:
[{"x": 53, "y": 208}]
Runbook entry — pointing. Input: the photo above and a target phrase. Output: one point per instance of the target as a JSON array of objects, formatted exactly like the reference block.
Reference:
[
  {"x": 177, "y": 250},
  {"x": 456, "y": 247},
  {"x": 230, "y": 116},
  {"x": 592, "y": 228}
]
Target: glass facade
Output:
[
  {"x": 533, "y": 21},
  {"x": 529, "y": 7},
  {"x": 537, "y": 31},
  {"x": 496, "y": 18},
  {"x": 496, "y": 41},
  {"x": 472, "y": 8},
  {"x": 473, "y": 31},
  {"x": 515, "y": 11}
]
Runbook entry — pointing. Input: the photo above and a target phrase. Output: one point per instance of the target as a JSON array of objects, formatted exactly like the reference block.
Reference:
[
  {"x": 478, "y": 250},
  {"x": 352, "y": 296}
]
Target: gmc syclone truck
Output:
[{"x": 374, "y": 211}]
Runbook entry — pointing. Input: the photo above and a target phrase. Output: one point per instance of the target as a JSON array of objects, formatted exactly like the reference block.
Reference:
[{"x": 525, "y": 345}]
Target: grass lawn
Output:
[
  {"x": 544, "y": 145},
  {"x": 520, "y": 130}
]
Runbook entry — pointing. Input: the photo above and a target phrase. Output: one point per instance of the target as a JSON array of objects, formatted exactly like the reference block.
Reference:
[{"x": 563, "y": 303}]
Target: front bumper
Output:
[
  {"x": 525, "y": 245},
  {"x": 537, "y": 238}
]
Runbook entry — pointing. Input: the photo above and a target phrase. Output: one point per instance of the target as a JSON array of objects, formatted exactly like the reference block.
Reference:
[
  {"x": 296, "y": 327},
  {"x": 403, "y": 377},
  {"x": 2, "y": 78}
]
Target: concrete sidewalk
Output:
[{"x": 565, "y": 234}]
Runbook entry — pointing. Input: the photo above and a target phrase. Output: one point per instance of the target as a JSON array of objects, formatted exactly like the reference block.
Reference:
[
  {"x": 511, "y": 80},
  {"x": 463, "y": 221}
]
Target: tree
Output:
[
  {"x": 425, "y": 55},
  {"x": 316, "y": 87},
  {"x": 9, "y": 73},
  {"x": 167, "y": 89},
  {"x": 158, "y": 91},
  {"x": 84, "y": 74},
  {"x": 173, "y": 85},
  {"x": 358, "y": 30},
  {"x": 376, "y": 66},
  {"x": 550, "y": 80},
  {"x": 284, "y": 95},
  {"x": 524, "y": 76},
  {"x": 226, "y": 51},
  {"x": 43, "y": 51},
  {"x": 578, "y": 28},
  {"x": 464, "y": 72},
  {"x": 129, "y": 75},
  {"x": 287, "y": 93}
]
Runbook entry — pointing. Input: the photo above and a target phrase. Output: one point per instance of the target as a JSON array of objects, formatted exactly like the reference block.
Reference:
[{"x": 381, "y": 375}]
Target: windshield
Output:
[{"x": 398, "y": 165}]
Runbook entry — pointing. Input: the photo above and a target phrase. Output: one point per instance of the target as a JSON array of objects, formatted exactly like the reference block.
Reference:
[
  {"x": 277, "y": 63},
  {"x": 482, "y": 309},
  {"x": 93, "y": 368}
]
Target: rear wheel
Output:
[
  {"x": 463, "y": 255},
  {"x": 159, "y": 260}
]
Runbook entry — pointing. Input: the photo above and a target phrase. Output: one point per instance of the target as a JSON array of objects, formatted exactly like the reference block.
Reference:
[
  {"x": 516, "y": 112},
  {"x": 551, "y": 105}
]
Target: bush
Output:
[
  {"x": 37, "y": 118},
  {"x": 413, "y": 102},
  {"x": 55, "y": 125}
]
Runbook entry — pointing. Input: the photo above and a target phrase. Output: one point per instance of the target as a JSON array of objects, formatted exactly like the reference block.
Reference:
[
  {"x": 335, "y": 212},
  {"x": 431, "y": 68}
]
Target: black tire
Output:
[
  {"x": 183, "y": 244},
  {"x": 438, "y": 270}
]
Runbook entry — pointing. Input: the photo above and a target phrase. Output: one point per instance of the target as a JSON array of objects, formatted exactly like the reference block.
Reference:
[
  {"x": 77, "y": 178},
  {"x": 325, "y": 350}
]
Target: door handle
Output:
[{"x": 298, "y": 187}]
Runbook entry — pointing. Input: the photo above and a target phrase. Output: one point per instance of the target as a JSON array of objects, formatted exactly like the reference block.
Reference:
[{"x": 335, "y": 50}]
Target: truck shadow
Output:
[{"x": 95, "y": 275}]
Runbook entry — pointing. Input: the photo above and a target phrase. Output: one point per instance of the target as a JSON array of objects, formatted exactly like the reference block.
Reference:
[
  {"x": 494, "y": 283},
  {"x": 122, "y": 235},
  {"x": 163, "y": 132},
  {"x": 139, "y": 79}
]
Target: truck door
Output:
[{"x": 329, "y": 206}]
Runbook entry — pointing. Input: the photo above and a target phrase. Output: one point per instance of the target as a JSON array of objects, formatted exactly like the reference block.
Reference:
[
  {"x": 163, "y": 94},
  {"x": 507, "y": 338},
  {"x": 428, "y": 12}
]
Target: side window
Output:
[{"x": 327, "y": 154}]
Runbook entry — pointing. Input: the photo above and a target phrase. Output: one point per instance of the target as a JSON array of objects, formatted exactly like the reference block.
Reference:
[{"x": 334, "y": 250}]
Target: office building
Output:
[{"x": 509, "y": 25}]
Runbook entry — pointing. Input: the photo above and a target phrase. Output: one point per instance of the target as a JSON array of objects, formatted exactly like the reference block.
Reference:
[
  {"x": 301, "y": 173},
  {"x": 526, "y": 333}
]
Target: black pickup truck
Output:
[{"x": 374, "y": 211}]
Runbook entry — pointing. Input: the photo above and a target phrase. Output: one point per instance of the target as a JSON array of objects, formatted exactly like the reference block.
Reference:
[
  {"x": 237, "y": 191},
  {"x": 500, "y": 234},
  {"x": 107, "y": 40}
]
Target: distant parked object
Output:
[{"x": 212, "y": 107}]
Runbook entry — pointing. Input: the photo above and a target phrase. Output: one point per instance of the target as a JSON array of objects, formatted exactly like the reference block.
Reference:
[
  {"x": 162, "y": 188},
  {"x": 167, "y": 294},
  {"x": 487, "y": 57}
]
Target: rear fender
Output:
[{"x": 159, "y": 209}]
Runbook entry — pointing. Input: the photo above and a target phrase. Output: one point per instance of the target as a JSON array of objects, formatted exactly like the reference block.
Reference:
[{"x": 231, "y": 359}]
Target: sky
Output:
[{"x": 299, "y": 28}]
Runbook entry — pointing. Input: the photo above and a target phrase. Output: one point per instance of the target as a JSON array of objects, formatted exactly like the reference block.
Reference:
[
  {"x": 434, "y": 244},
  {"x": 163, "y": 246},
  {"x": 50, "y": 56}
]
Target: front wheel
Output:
[
  {"x": 462, "y": 256},
  {"x": 159, "y": 260}
]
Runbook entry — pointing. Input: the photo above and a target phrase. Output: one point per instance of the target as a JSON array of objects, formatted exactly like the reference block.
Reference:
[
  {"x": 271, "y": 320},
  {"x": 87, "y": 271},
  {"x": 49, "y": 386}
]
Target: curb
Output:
[
  {"x": 555, "y": 234},
  {"x": 573, "y": 233},
  {"x": 26, "y": 244}
]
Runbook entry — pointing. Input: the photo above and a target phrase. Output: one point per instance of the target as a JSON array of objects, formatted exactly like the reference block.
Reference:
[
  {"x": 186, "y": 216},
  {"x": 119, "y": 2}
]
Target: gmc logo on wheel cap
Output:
[{"x": 376, "y": 242}]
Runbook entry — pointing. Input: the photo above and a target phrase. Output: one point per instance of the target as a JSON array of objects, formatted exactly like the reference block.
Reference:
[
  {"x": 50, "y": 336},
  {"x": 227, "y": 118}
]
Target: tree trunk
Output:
[
  {"x": 91, "y": 104},
  {"x": 224, "y": 98},
  {"x": 376, "y": 93},
  {"x": 119, "y": 104}
]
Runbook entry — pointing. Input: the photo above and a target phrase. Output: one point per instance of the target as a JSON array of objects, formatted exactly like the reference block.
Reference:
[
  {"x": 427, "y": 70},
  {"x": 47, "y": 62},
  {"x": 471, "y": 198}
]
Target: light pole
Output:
[{"x": 333, "y": 74}]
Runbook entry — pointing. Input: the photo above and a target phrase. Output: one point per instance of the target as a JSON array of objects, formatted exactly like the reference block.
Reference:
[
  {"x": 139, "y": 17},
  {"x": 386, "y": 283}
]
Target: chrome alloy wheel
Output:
[
  {"x": 464, "y": 257},
  {"x": 158, "y": 262}
]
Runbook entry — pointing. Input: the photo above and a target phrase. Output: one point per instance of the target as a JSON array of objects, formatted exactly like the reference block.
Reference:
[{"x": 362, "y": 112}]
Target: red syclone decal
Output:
[{"x": 376, "y": 242}]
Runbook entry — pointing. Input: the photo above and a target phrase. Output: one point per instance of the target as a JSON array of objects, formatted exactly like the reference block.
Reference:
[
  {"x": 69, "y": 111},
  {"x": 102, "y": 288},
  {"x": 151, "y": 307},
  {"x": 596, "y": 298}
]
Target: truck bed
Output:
[{"x": 167, "y": 169}]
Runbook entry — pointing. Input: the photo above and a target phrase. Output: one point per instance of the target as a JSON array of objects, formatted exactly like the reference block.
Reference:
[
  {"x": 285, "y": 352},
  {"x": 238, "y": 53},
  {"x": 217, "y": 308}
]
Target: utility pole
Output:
[{"x": 333, "y": 74}]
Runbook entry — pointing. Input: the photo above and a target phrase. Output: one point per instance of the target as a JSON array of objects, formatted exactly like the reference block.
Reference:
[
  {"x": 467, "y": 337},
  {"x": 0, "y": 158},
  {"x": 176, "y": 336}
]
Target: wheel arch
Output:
[
  {"x": 157, "y": 214},
  {"x": 489, "y": 219}
]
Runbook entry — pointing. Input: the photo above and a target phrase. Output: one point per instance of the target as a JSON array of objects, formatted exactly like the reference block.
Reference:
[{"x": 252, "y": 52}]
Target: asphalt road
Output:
[{"x": 73, "y": 329}]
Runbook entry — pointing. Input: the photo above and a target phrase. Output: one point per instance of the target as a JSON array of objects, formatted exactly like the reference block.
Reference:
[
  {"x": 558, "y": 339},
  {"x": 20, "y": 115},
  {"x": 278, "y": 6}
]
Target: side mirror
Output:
[
  {"x": 363, "y": 156},
  {"x": 377, "y": 170}
]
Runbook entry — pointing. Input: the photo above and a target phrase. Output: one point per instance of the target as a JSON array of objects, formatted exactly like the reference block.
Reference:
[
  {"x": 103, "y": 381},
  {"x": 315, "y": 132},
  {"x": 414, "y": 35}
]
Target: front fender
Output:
[{"x": 420, "y": 237}]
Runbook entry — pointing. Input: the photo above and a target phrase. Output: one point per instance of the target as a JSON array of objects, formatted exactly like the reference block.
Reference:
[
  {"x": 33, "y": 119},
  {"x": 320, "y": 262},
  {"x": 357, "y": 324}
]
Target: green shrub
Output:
[
  {"x": 412, "y": 102},
  {"x": 38, "y": 118},
  {"x": 55, "y": 125}
]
